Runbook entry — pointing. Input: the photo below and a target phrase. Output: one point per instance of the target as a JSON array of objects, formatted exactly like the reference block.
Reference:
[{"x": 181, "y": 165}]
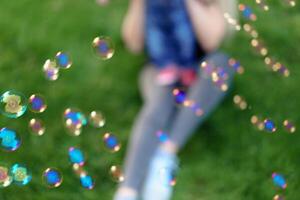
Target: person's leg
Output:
[
  {"x": 155, "y": 115},
  {"x": 208, "y": 96}
]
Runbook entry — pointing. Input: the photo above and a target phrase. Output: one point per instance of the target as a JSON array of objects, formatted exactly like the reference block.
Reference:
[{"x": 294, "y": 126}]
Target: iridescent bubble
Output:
[
  {"x": 279, "y": 180},
  {"x": 263, "y": 4},
  {"x": 76, "y": 156},
  {"x": 51, "y": 70},
  {"x": 247, "y": 12},
  {"x": 269, "y": 125},
  {"x": 97, "y": 119},
  {"x": 257, "y": 122},
  {"x": 37, "y": 103},
  {"x": 240, "y": 102},
  {"x": 20, "y": 174},
  {"x": 289, "y": 126},
  {"x": 111, "y": 142},
  {"x": 278, "y": 197},
  {"x": 13, "y": 104},
  {"x": 63, "y": 60},
  {"x": 9, "y": 139},
  {"x": 52, "y": 178},
  {"x": 74, "y": 120},
  {"x": 236, "y": 65},
  {"x": 162, "y": 136},
  {"x": 36, "y": 126},
  {"x": 5, "y": 176},
  {"x": 180, "y": 96},
  {"x": 103, "y": 47},
  {"x": 168, "y": 176},
  {"x": 116, "y": 173},
  {"x": 259, "y": 47},
  {"x": 291, "y": 3},
  {"x": 87, "y": 182}
]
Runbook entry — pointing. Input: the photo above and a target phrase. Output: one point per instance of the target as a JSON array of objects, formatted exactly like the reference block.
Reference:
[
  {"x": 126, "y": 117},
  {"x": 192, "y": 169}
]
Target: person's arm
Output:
[
  {"x": 208, "y": 22},
  {"x": 133, "y": 26}
]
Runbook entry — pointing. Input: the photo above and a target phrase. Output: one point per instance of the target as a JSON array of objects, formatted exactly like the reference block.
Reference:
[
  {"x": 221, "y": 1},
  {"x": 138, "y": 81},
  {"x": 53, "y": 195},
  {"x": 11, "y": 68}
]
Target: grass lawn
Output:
[{"x": 226, "y": 160}]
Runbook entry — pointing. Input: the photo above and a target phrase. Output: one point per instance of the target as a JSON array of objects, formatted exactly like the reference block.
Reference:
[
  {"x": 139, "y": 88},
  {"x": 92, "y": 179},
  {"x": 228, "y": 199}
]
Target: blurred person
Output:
[{"x": 177, "y": 35}]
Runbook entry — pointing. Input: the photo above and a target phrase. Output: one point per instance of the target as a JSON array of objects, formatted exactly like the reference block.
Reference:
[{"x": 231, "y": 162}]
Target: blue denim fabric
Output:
[{"x": 170, "y": 38}]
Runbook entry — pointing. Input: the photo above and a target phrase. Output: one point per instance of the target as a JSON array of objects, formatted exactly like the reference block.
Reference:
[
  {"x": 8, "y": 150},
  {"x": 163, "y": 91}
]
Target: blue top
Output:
[{"x": 170, "y": 38}]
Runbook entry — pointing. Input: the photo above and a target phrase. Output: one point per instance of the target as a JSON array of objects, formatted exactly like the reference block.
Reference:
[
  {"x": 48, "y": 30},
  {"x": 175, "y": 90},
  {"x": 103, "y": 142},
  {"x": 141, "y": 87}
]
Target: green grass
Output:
[{"x": 227, "y": 159}]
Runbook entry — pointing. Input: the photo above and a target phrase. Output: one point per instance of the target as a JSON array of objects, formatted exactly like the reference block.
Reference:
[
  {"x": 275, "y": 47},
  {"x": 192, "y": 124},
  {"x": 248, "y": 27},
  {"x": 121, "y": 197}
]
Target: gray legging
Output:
[{"x": 160, "y": 113}]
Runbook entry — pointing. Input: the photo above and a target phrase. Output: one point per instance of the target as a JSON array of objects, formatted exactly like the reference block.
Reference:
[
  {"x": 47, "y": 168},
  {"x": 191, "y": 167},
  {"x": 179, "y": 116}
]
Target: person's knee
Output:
[{"x": 156, "y": 116}]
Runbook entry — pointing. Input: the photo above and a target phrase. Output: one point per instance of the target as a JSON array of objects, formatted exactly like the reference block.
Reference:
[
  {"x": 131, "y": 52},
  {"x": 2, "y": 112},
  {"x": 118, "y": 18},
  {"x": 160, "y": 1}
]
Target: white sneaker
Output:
[{"x": 161, "y": 176}]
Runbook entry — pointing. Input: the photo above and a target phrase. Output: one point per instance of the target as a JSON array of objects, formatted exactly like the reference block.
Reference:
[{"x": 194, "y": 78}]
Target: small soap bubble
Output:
[
  {"x": 168, "y": 176},
  {"x": 36, "y": 126},
  {"x": 278, "y": 197},
  {"x": 52, "y": 178},
  {"x": 5, "y": 176},
  {"x": 257, "y": 122},
  {"x": 97, "y": 119},
  {"x": 116, "y": 173},
  {"x": 162, "y": 136},
  {"x": 277, "y": 66},
  {"x": 111, "y": 142},
  {"x": 37, "y": 103},
  {"x": 240, "y": 102},
  {"x": 9, "y": 139},
  {"x": 63, "y": 60},
  {"x": 51, "y": 71},
  {"x": 180, "y": 96},
  {"x": 87, "y": 182},
  {"x": 76, "y": 156},
  {"x": 247, "y": 12},
  {"x": 236, "y": 65},
  {"x": 250, "y": 30},
  {"x": 262, "y": 4},
  {"x": 269, "y": 125},
  {"x": 103, "y": 47},
  {"x": 291, "y": 3},
  {"x": 279, "y": 180},
  {"x": 74, "y": 120},
  {"x": 259, "y": 47},
  {"x": 13, "y": 104},
  {"x": 289, "y": 126},
  {"x": 21, "y": 175}
]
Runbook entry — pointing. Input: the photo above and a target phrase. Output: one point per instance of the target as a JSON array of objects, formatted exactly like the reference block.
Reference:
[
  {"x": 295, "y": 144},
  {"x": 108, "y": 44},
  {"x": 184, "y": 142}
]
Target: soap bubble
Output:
[
  {"x": 9, "y": 139},
  {"x": 37, "y": 103},
  {"x": 87, "y": 182},
  {"x": 279, "y": 180},
  {"x": 269, "y": 125},
  {"x": 63, "y": 60},
  {"x": 111, "y": 142},
  {"x": 5, "y": 176},
  {"x": 13, "y": 104},
  {"x": 236, "y": 65},
  {"x": 116, "y": 173},
  {"x": 180, "y": 96},
  {"x": 247, "y": 12},
  {"x": 74, "y": 120},
  {"x": 97, "y": 119},
  {"x": 103, "y": 47},
  {"x": 257, "y": 122},
  {"x": 168, "y": 176},
  {"x": 51, "y": 70},
  {"x": 76, "y": 156},
  {"x": 278, "y": 197},
  {"x": 21, "y": 175},
  {"x": 52, "y": 177},
  {"x": 162, "y": 136},
  {"x": 36, "y": 126},
  {"x": 240, "y": 102},
  {"x": 289, "y": 126}
]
